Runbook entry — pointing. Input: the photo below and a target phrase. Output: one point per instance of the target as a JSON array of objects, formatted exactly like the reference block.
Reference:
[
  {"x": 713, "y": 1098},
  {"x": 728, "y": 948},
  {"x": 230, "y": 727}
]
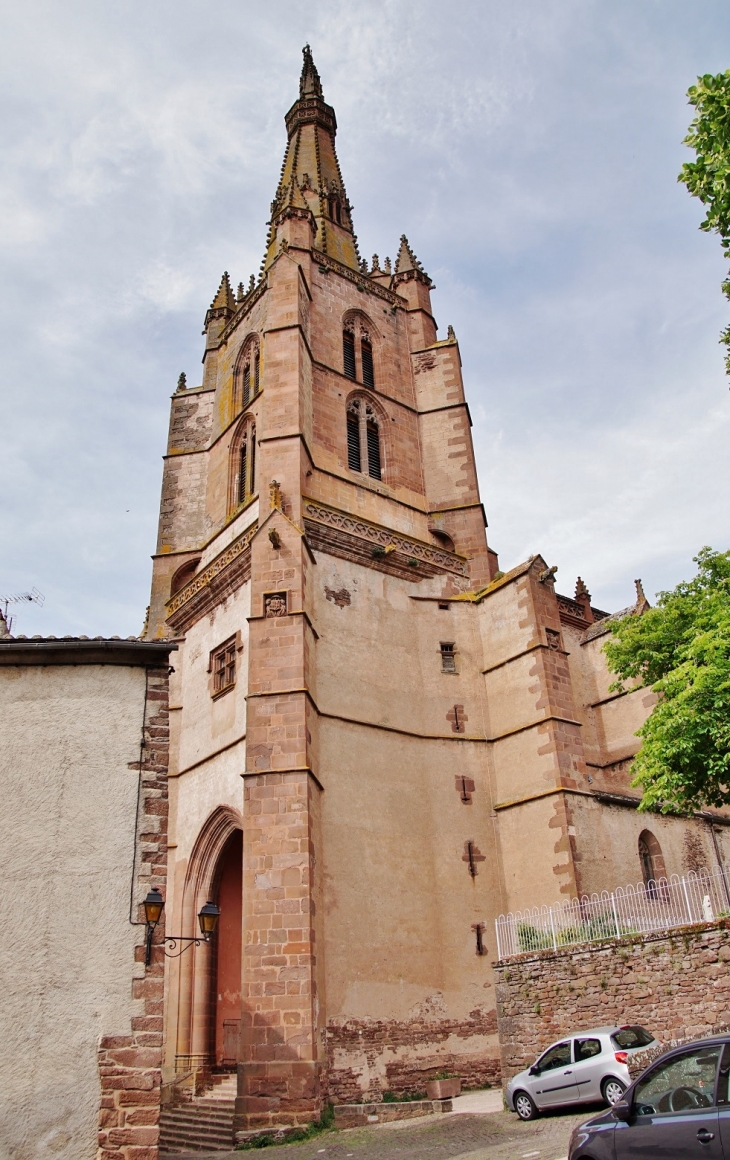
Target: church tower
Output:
[
  {"x": 320, "y": 510},
  {"x": 379, "y": 741}
]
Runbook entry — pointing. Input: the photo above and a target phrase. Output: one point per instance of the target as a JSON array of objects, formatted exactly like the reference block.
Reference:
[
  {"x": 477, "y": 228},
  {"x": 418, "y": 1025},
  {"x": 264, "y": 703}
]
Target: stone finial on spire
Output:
[
  {"x": 309, "y": 83},
  {"x": 406, "y": 259},
  {"x": 642, "y": 604},
  {"x": 220, "y": 310},
  {"x": 182, "y": 382},
  {"x": 408, "y": 264},
  {"x": 583, "y": 597},
  {"x": 224, "y": 299}
]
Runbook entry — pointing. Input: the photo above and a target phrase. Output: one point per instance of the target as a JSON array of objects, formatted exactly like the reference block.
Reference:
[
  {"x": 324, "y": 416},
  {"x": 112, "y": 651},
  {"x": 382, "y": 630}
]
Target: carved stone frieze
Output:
[
  {"x": 353, "y": 538},
  {"x": 225, "y": 573},
  {"x": 572, "y": 612},
  {"x": 360, "y": 280}
]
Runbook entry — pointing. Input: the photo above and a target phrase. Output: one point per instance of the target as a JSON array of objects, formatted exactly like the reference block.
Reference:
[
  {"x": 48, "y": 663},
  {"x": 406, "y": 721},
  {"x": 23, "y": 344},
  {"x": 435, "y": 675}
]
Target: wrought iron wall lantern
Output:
[{"x": 208, "y": 916}]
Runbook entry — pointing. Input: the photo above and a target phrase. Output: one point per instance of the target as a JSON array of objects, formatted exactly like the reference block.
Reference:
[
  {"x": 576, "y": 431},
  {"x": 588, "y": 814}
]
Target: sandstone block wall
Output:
[{"x": 676, "y": 985}]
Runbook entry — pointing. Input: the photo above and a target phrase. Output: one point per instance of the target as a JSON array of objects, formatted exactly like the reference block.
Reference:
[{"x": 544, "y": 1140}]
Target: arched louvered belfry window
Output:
[
  {"x": 358, "y": 362},
  {"x": 247, "y": 374},
  {"x": 363, "y": 439}
]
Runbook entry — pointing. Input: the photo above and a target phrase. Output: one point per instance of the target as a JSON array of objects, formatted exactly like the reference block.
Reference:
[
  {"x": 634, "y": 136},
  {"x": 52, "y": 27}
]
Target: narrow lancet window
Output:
[
  {"x": 354, "y": 458},
  {"x": 246, "y": 384},
  {"x": 373, "y": 443},
  {"x": 242, "y": 470},
  {"x": 348, "y": 353},
  {"x": 366, "y": 354}
]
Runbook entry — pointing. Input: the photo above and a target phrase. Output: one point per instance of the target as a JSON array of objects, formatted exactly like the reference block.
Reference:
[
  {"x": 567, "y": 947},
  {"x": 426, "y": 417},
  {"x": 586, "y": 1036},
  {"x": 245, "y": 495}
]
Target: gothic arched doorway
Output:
[
  {"x": 204, "y": 972},
  {"x": 227, "y": 976}
]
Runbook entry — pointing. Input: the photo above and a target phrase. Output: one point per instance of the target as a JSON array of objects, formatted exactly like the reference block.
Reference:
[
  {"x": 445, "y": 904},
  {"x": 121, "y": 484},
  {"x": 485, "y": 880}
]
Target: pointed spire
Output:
[
  {"x": 309, "y": 84},
  {"x": 581, "y": 590},
  {"x": 224, "y": 299},
  {"x": 240, "y": 293},
  {"x": 251, "y": 283},
  {"x": 311, "y": 186}
]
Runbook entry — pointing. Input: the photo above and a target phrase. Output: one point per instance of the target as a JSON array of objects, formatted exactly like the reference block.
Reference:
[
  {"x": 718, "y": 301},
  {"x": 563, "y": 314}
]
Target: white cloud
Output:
[{"x": 529, "y": 151}]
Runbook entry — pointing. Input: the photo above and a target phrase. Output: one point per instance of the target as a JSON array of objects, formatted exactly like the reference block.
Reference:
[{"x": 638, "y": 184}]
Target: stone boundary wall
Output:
[
  {"x": 367, "y": 1057},
  {"x": 676, "y": 984},
  {"x": 130, "y": 1066}
]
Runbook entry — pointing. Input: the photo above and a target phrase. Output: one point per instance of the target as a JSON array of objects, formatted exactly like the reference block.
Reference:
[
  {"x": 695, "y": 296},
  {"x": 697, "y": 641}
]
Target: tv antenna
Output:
[{"x": 32, "y": 597}]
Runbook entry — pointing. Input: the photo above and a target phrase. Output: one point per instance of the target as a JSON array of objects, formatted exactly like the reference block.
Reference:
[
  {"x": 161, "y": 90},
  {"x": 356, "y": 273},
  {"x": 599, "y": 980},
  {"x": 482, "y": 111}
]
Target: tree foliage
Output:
[
  {"x": 681, "y": 649},
  {"x": 708, "y": 178}
]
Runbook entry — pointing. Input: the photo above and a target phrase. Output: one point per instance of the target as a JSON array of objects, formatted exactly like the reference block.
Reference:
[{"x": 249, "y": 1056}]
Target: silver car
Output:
[{"x": 584, "y": 1067}]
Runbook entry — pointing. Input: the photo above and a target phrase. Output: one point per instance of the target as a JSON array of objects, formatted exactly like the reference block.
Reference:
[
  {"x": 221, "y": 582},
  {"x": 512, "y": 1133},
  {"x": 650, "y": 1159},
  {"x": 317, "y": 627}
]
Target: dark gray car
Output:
[{"x": 678, "y": 1107}]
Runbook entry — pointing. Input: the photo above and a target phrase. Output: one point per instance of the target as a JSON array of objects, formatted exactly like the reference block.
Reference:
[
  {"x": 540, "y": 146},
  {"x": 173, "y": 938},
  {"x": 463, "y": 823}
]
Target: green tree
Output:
[
  {"x": 681, "y": 649},
  {"x": 708, "y": 178}
]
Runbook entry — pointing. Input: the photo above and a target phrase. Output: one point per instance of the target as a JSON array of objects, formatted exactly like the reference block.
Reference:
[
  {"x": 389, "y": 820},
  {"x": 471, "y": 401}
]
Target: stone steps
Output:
[{"x": 201, "y": 1126}]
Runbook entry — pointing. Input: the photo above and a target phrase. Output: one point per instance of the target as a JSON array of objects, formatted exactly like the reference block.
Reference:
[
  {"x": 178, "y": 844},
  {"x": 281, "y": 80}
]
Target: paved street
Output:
[{"x": 499, "y": 1136}]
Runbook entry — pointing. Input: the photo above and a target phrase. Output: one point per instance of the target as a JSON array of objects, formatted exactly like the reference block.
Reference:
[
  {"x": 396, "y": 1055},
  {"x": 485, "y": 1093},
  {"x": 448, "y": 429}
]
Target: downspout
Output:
[{"x": 716, "y": 844}]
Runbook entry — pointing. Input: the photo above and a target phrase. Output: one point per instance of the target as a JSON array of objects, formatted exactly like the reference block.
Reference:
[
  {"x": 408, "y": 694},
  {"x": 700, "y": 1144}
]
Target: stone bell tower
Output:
[{"x": 320, "y": 513}]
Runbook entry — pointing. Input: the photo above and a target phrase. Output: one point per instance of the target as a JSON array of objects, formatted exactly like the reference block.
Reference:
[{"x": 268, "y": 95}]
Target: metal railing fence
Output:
[{"x": 699, "y": 896}]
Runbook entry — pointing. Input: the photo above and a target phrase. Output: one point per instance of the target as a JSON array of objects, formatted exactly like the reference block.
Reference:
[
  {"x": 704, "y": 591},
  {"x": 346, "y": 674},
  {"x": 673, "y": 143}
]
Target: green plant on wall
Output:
[{"x": 532, "y": 939}]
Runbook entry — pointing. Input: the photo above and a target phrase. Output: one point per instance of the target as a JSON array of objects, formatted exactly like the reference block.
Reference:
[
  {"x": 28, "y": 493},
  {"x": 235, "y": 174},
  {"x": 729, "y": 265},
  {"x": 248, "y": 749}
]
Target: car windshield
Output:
[
  {"x": 627, "y": 1037},
  {"x": 679, "y": 1084}
]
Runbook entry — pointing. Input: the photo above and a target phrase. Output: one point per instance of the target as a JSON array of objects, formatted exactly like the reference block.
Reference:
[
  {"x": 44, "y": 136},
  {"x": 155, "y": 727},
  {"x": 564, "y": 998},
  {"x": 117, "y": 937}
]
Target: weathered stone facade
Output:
[
  {"x": 676, "y": 985},
  {"x": 409, "y": 741}
]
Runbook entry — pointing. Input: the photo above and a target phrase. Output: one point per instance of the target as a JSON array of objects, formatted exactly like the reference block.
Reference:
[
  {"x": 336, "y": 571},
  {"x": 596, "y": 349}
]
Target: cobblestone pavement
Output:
[{"x": 500, "y": 1136}]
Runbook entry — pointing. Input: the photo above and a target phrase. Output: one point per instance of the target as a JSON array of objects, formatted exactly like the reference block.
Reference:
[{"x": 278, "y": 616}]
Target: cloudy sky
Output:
[{"x": 530, "y": 152}]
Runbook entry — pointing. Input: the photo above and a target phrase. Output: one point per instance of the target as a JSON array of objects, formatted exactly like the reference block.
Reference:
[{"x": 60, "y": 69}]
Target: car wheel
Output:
[
  {"x": 525, "y": 1106},
  {"x": 612, "y": 1090}
]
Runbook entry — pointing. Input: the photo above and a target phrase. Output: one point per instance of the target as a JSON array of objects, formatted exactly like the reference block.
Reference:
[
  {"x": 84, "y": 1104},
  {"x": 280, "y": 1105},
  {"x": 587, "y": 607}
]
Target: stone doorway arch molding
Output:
[{"x": 195, "y": 1030}]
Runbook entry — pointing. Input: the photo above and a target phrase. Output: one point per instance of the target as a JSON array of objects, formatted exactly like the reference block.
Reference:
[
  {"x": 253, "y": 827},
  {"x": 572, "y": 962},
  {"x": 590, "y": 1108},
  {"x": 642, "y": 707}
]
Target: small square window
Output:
[
  {"x": 444, "y": 605},
  {"x": 448, "y": 657},
  {"x": 223, "y": 667}
]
